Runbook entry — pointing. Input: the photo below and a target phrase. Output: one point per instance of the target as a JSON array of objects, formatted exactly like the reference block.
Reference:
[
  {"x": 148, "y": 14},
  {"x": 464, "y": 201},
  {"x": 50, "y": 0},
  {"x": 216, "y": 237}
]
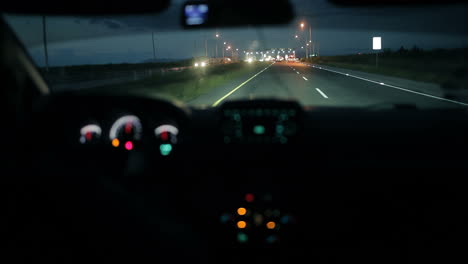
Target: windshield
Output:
[{"x": 327, "y": 56}]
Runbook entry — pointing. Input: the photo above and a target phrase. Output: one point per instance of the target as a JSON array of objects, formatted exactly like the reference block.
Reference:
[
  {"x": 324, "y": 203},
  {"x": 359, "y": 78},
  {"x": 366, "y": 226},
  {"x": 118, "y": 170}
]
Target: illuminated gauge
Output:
[
  {"x": 90, "y": 134},
  {"x": 167, "y": 136},
  {"x": 125, "y": 132}
]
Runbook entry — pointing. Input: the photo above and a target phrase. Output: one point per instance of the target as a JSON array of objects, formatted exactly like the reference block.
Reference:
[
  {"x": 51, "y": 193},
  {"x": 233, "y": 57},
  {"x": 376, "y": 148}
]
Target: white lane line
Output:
[
  {"x": 322, "y": 93},
  {"x": 238, "y": 87},
  {"x": 396, "y": 87},
  {"x": 304, "y": 78}
]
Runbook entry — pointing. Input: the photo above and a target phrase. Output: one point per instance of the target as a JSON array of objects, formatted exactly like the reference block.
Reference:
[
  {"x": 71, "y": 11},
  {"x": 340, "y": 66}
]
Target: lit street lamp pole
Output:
[
  {"x": 310, "y": 41},
  {"x": 217, "y": 36},
  {"x": 307, "y": 44},
  {"x": 224, "y": 44}
]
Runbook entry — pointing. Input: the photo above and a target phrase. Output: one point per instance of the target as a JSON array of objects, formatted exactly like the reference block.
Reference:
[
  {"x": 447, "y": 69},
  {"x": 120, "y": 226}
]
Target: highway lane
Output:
[{"x": 316, "y": 87}]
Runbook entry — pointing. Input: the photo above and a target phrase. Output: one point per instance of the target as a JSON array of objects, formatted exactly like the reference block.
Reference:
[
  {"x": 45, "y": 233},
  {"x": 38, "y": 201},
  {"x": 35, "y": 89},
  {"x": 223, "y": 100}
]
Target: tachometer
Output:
[
  {"x": 125, "y": 132},
  {"x": 90, "y": 134}
]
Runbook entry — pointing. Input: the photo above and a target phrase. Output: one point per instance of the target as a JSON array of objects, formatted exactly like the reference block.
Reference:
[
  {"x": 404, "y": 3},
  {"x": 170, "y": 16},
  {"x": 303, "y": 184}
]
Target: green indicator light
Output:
[
  {"x": 242, "y": 238},
  {"x": 165, "y": 149},
  {"x": 259, "y": 129},
  {"x": 279, "y": 129}
]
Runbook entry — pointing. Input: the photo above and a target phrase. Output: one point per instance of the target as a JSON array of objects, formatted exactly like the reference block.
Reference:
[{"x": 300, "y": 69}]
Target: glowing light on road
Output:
[
  {"x": 203, "y": 64},
  {"x": 196, "y": 64},
  {"x": 249, "y": 60},
  {"x": 115, "y": 142}
]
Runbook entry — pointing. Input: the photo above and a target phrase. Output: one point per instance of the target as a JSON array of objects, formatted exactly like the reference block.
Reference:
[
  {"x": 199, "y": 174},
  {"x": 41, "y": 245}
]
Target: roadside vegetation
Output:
[
  {"x": 104, "y": 68},
  {"x": 184, "y": 85},
  {"x": 446, "y": 67}
]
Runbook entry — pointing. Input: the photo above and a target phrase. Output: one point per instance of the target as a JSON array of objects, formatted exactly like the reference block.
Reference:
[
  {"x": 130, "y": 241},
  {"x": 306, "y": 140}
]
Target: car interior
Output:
[{"x": 310, "y": 183}]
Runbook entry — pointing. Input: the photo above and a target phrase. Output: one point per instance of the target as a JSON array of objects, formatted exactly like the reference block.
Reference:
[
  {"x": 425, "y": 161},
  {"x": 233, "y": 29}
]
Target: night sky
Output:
[{"x": 96, "y": 40}]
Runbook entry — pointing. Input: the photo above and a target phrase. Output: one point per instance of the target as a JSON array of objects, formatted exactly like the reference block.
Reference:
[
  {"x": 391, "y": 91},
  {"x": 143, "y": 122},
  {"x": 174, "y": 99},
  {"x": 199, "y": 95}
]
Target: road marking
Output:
[
  {"x": 238, "y": 87},
  {"x": 304, "y": 78},
  {"x": 396, "y": 87},
  {"x": 322, "y": 93}
]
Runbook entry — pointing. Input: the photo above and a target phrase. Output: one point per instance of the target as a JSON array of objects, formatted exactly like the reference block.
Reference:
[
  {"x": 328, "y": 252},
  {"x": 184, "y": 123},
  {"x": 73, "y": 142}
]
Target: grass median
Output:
[
  {"x": 184, "y": 85},
  {"x": 444, "y": 67}
]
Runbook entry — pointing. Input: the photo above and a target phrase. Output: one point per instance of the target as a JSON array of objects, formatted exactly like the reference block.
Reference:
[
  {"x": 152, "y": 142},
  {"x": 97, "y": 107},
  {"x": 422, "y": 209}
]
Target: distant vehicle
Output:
[{"x": 201, "y": 62}]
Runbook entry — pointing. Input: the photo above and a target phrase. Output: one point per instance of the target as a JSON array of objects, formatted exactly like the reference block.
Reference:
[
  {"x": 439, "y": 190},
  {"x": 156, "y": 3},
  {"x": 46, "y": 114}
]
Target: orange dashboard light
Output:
[
  {"x": 271, "y": 225},
  {"x": 242, "y": 211},
  {"x": 241, "y": 224},
  {"x": 115, "y": 142}
]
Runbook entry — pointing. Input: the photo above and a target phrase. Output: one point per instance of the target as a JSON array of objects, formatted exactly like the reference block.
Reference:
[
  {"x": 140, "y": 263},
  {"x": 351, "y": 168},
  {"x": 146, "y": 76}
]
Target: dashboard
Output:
[{"x": 249, "y": 173}]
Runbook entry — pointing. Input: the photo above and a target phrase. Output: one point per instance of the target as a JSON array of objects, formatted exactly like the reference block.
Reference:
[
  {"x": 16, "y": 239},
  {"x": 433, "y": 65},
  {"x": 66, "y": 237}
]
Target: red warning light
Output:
[
  {"x": 128, "y": 145},
  {"x": 249, "y": 197},
  {"x": 128, "y": 128},
  {"x": 164, "y": 136},
  {"x": 88, "y": 136}
]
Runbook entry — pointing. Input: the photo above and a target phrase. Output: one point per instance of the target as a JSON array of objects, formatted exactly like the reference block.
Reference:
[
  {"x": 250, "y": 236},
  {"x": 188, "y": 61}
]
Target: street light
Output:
[
  {"x": 296, "y": 36},
  {"x": 217, "y": 36},
  {"x": 302, "y": 25}
]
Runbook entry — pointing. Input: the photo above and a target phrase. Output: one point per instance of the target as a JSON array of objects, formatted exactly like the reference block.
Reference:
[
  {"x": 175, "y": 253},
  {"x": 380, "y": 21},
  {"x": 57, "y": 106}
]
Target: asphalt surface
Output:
[{"x": 318, "y": 87}]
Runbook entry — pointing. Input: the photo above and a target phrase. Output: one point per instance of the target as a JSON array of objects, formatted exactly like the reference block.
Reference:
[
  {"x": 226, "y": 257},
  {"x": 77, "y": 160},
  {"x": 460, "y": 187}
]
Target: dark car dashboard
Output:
[{"x": 253, "y": 174}]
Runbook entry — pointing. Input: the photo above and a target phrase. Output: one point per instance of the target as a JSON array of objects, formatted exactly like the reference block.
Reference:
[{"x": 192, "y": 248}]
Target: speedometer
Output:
[{"x": 125, "y": 132}]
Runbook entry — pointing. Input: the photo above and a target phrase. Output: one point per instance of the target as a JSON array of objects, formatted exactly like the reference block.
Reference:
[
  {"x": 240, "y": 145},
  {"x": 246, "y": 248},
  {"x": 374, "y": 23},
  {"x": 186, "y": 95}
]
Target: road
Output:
[{"x": 318, "y": 87}]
